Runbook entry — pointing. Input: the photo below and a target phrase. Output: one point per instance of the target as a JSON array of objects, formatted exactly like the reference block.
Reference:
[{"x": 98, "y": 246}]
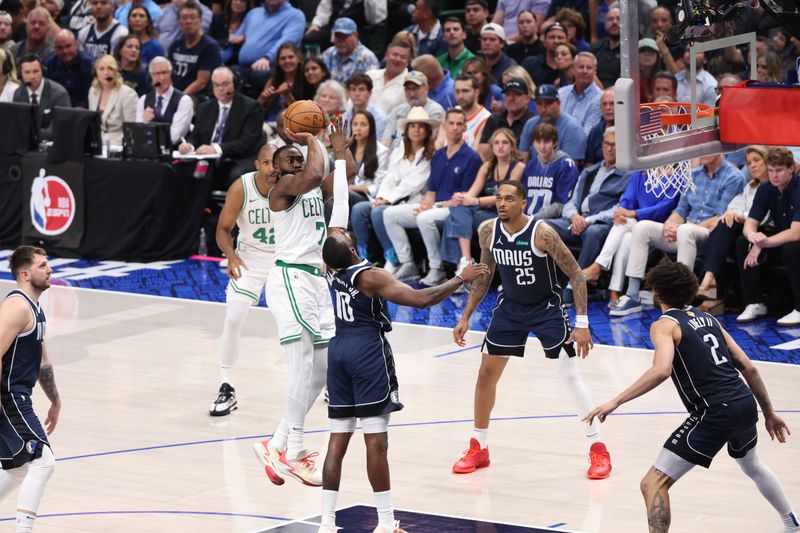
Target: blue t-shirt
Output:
[
  {"x": 551, "y": 183},
  {"x": 151, "y": 49},
  {"x": 571, "y": 137},
  {"x": 265, "y": 32},
  {"x": 187, "y": 62},
  {"x": 453, "y": 175},
  {"x": 444, "y": 94}
]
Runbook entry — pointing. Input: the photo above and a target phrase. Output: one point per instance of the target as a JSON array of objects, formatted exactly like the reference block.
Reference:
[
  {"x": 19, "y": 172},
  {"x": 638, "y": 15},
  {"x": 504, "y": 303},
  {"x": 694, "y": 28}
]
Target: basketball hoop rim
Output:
[{"x": 680, "y": 118}]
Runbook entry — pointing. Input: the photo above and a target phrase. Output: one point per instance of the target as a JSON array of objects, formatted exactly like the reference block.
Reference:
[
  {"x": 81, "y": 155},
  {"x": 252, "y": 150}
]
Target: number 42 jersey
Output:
[
  {"x": 528, "y": 275},
  {"x": 256, "y": 232}
]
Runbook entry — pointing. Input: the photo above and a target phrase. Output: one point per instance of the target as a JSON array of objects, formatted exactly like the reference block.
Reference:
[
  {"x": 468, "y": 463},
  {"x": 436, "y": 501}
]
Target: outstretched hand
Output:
[
  {"x": 777, "y": 428},
  {"x": 473, "y": 272},
  {"x": 601, "y": 412},
  {"x": 582, "y": 338},
  {"x": 338, "y": 136}
]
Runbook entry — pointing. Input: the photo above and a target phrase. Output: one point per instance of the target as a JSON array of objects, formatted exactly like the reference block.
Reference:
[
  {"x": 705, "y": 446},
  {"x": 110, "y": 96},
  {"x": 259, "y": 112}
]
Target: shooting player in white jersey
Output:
[
  {"x": 298, "y": 296},
  {"x": 25, "y": 453},
  {"x": 248, "y": 265}
]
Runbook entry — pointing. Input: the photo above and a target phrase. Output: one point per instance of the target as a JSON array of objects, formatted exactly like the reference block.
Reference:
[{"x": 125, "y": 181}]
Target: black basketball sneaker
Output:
[{"x": 225, "y": 402}]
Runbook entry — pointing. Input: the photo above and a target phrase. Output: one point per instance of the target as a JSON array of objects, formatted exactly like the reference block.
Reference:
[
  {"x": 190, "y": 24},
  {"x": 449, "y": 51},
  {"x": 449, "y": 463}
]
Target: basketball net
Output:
[{"x": 656, "y": 121}]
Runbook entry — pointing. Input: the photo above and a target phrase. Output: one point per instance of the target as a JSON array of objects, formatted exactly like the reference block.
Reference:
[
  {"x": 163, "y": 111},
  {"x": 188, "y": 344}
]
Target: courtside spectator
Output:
[
  {"x": 528, "y": 43},
  {"x": 455, "y": 33},
  {"x": 515, "y": 114},
  {"x": 426, "y": 28},
  {"x": 582, "y": 99},
  {"x": 193, "y": 56},
  {"x": 37, "y": 37},
  {"x": 543, "y": 67},
  {"x": 571, "y": 137},
  {"x": 102, "y": 36},
  {"x": 347, "y": 55},
  {"x": 71, "y": 68},
  {"x": 607, "y": 50},
  {"x": 168, "y": 24},
  {"x": 476, "y": 13},
  {"x": 441, "y": 88},
  {"x": 415, "y": 88},
  {"x": 43, "y": 94},
  {"x": 493, "y": 41},
  {"x": 165, "y": 103},
  {"x": 387, "y": 83}
]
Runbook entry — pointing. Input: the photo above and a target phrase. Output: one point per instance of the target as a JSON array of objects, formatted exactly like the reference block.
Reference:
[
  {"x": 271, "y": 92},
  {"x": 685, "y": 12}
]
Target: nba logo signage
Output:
[{"x": 52, "y": 204}]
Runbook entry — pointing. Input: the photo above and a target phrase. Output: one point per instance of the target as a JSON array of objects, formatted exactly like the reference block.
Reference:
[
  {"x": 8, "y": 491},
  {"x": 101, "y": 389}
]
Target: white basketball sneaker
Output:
[
  {"x": 303, "y": 469},
  {"x": 269, "y": 458},
  {"x": 396, "y": 529}
]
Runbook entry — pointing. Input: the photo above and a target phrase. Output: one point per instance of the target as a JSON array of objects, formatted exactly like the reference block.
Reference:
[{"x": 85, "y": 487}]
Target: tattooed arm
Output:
[
  {"x": 481, "y": 285},
  {"x": 548, "y": 241},
  {"x": 776, "y": 427},
  {"x": 48, "y": 383}
]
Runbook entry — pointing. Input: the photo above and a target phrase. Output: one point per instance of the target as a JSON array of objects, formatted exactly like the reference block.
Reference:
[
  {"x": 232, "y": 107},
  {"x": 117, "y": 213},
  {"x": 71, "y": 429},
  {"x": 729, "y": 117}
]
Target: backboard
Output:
[{"x": 702, "y": 138}]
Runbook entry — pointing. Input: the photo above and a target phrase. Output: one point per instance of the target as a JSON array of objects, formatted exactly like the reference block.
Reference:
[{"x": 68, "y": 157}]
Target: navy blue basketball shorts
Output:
[
  {"x": 22, "y": 438},
  {"x": 704, "y": 433},
  {"x": 512, "y": 321},
  {"x": 361, "y": 376}
]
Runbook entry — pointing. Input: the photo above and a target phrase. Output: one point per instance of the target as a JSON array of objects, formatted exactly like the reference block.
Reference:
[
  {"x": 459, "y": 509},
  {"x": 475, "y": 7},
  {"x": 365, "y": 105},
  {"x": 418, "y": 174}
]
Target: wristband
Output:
[
  {"x": 581, "y": 321},
  {"x": 459, "y": 277}
]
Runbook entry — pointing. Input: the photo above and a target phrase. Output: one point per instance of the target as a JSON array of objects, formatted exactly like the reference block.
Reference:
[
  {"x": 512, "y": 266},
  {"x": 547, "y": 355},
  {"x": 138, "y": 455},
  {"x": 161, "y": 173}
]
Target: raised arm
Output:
[
  {"x": 48, "y": 383},
  {"x": 481, "y": 285},
  {"x": 776, "y": 427}
]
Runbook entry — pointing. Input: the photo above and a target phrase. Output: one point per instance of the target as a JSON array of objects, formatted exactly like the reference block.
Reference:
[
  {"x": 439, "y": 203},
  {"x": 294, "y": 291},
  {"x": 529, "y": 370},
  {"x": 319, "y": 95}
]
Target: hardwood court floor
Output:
[{"x": 138, "y": 452}]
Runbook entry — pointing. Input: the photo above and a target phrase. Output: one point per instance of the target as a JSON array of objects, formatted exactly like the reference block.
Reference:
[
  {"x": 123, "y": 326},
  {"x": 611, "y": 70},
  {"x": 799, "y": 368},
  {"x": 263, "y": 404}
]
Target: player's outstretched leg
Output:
[
  {"x": 769, "y": 487},
  {"x": 655, "y": 489},
  {"x": 477, "y": 456},
  {"x": 599, "y": 458},
  {"x": 30, "y": 493},
  {"x": 341, "y": 431},
  {"x": 376, "y": 437},
  {"x": 235, "y": 313}
]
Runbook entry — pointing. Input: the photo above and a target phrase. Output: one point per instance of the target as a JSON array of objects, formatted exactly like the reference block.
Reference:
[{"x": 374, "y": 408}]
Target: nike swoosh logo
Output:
[{"x": 248, "y": 201}]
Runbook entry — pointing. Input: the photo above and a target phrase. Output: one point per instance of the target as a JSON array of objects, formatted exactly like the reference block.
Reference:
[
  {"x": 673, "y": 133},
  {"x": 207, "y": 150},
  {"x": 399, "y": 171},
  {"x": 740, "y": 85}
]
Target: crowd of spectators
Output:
[{"x": 441, "y": 112}]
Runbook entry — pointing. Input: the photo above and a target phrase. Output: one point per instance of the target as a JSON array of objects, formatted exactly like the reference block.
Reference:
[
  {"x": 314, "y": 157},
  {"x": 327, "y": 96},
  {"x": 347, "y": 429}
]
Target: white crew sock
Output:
[
  {"x": 25, "y": 522},
  {"x": 480, "y": 435},
  {"x": 383, "y": 504},
  {"x": 329, "y": 507}
]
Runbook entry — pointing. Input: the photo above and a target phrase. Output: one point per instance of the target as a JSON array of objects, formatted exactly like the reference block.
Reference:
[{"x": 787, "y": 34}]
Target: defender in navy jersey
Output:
[
  {"x": 704, "y": 363},
  {"x": 527, "y": 254},
  {"x": 361, "y": 372},
  {"x": 25, "y": 453}
]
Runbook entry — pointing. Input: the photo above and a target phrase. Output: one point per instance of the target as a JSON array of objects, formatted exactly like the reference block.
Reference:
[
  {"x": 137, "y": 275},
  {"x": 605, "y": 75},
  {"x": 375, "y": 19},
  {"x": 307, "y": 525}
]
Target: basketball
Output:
[{"x": 304, "y": 116}]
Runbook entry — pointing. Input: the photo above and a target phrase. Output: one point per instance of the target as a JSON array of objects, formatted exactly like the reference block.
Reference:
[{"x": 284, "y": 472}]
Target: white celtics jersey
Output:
[
  {"x": 474, "y": 123},
  {"x": 300, "y": 230},
  {"x": 256, "y": 231}
]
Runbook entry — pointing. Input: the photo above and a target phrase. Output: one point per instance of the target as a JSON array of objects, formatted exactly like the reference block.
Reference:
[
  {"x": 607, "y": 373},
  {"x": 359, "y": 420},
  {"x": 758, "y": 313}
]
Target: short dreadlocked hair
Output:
[{"x": 674, "y": 283}]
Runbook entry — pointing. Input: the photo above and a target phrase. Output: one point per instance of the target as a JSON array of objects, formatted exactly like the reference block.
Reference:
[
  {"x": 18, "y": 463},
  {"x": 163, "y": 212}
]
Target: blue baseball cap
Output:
[
  {"x": 344, "y": 25},
  {"x": 546, "y": 92}
]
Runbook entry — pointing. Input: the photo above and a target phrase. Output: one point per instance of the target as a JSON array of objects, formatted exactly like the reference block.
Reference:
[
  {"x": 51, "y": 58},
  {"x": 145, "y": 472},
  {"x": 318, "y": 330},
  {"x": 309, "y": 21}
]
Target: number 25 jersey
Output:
[{"x": 529, "y": 276}]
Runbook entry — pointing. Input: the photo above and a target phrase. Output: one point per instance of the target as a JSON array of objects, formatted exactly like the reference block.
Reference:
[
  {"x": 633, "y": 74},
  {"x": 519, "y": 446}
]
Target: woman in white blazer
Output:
[
  {"x": 8, "y": 77},
  {"x": 115, "y": 101}
]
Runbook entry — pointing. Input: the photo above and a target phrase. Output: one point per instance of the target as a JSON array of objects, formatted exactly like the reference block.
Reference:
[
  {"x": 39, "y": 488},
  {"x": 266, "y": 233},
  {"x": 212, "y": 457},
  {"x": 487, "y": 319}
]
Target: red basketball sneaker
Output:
[
  {"x": 473, "y": 459},
  {"x": 600, "y": 460}
]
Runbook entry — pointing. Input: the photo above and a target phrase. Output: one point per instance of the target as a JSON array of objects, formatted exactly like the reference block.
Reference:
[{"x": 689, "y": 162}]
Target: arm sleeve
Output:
[{"x": 341, "y": 207}]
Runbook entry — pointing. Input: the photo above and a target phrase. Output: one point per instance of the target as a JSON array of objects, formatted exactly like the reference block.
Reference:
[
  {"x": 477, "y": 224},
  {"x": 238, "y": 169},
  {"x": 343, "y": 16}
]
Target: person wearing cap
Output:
[
  {"x": 571, "y": 136},
  {"x": 415, "y": 88},
  {"x": 455, "y": 33},
  {"x": 544, "y": 68},
  {"x": 493, "y": 40},
  {"x": 581, "y": 100},
  {"x": 476, "y": 13},
  {"x": 347, "y": 55},
  {"x": 607, "y": 49},
  {"x": 70, "y": 67},
  {"x": 387, "y": 83},
  {"x": 514, "y": 116},
  {"x": 528, "y": 43},
  {"x": 404, "y": 182},
  {"x": 440, "y": 85},
  {"x": 427, "y": 30},
  {"x": 650, "y": 64},
  {"x": 453, "y": 169},
  {"x": 369, "y": 15}
]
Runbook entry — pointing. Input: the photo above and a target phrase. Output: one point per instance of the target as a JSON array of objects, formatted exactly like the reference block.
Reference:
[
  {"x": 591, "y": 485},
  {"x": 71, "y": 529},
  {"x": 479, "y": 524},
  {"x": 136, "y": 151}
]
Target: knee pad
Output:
[
  {"x": 375, "y": 424},
  {"x": 343, "y": 425}
]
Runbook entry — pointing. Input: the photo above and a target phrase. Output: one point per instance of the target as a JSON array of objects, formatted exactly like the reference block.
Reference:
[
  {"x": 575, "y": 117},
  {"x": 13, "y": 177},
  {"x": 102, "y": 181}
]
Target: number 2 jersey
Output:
[
  {"x": 528, "y": 275},
  {"x": 702, "y": 369},
  {"x": 256, "y": 231}
]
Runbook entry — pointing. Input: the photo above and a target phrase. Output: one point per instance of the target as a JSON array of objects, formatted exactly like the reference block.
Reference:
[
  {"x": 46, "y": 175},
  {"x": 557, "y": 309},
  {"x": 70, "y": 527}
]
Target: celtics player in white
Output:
[
  {"x": 249, "y": 264},
  {"x": 298, "y": 295}
]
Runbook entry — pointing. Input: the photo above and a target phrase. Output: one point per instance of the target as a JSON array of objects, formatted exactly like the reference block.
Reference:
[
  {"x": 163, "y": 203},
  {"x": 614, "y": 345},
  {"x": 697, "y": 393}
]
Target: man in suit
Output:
[
  {"x": 42, "y": 93},
  {"x": 165, "y": 103},
  {"x": 229, "y": 125}
]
